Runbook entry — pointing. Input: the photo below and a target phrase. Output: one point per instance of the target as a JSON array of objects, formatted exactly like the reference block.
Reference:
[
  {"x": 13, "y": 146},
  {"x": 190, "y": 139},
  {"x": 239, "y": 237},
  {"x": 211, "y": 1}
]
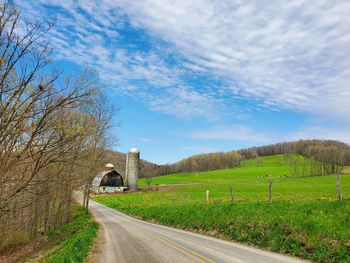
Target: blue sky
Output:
[{"x": 192, "y": 77}]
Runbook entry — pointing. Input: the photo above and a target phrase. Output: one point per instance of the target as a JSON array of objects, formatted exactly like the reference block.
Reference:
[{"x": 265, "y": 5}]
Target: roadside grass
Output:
[
  {"x": 315, "y": 230},
  {"x": 75, "y": 239},
  {"x": 305, "y": 219}
]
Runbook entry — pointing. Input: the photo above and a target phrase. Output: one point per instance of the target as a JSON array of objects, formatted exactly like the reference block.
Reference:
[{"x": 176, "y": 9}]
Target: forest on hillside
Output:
[
  {"x": 118, "y": 159},
  {"x": 326, "y": 157}
]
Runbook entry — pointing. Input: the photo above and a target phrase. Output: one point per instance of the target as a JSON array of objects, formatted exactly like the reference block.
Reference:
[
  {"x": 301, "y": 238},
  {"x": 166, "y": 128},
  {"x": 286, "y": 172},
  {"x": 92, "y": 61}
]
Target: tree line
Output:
[
  {"x": 325, "y": 157},
  {"x": 193, "y": 164},
  {"x": 53, "y": 131}
]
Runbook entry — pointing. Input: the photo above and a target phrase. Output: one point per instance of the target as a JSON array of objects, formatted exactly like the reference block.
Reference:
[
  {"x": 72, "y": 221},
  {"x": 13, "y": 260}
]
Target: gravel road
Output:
[{"x": 127, "y": 239}]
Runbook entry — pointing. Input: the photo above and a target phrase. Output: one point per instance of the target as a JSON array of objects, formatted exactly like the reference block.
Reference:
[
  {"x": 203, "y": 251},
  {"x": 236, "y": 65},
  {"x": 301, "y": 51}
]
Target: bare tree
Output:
[
  {"x": 49, "y": 124},
  {"x": 100, "y": 123}
]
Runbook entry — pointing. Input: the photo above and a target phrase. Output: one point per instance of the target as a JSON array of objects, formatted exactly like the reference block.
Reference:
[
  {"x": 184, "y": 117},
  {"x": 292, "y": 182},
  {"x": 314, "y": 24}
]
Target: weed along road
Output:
[{"x": 130, "y": 240}]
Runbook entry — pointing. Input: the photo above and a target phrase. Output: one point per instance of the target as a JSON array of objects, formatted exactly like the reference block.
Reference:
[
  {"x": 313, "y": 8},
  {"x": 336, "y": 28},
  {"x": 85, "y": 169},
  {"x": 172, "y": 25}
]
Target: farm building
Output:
[{"x": 108, "y": 181}]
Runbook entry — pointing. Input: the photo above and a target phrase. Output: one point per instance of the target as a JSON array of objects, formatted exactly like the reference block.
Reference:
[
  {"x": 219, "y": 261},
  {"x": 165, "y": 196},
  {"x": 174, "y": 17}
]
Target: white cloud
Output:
[
  {"x": 292, "y": 55},
  {"x": 147, "y": 140},
  {"x": 185, "y": 104},
  {"x": 199, "y": 149},
  {"x": 239, "y": 133},
  {"x": 93, "y": 40},
  {"x": 287, "y": 55},
  {"x": 326, "y": 133}
]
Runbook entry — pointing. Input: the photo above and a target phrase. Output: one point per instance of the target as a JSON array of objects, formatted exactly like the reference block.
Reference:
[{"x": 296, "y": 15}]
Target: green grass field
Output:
[{"x": 305, "y": 218}]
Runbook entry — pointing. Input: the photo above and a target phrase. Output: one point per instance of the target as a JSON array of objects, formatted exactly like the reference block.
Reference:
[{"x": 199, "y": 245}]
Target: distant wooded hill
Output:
[
  {"x": 330, "y": 155},
  {"x": 118, "y": 159}
]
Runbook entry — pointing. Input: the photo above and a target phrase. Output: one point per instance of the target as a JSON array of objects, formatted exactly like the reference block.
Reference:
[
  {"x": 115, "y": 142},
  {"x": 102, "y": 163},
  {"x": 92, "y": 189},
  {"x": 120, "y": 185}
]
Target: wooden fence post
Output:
[
  {"x": 87, "y": 199},
  {"x": 84, "y": 195},
  {"x": 340, "y": 194},
  {"x": 270, "y": 190},
  {"x": 231, "y": 192},
  {"x": 207, "y": 197}
]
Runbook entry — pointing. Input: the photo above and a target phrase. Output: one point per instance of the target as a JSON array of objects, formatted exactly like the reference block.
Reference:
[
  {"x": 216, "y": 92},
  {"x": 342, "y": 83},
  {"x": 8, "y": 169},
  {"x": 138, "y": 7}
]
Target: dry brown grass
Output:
[{"x": 346, "y": 171}]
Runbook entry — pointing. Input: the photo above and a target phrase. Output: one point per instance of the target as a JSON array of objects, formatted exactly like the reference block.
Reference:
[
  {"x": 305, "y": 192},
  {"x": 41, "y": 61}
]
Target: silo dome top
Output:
[
  {"x": 109, "y": 165},
  {"x": 134, "y": 150}
]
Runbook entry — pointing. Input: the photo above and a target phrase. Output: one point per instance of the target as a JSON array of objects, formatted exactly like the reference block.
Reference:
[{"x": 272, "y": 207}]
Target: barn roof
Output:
[{"x": 97, "y": 180}]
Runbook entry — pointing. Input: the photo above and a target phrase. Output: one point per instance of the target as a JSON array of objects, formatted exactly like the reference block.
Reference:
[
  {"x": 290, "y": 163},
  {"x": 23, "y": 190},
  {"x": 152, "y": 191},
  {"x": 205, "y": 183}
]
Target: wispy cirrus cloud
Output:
[
  {"x": 242, "y": 133},
  {"x": 284, "y": 55},
  {"x": 325, "y": 133},
  {"x": 184, "y": 103},
  {"x": 289, "y": 55},
  {"x": 238, "y": 133},
  {"x": 199, "y": 149},
  {"x": 99, "y": 35},
  {"x": 146, "y": 140}
]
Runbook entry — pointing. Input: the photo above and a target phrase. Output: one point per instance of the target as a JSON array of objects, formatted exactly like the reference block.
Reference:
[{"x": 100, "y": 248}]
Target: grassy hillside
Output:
[
  {"x": 77, "y": 238},
  {"x": 249, "y": 184},
  {"x": 284, "y": 189},
  {"x": 277, "y": 166},
  {"x": 73, "y": 240},
  {"x": 305, "y": 219},
  {"x": 275, "y": 160}
]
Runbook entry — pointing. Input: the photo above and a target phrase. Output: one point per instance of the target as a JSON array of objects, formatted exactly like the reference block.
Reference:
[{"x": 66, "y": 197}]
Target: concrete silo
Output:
[{"x": 132, "y": 169}]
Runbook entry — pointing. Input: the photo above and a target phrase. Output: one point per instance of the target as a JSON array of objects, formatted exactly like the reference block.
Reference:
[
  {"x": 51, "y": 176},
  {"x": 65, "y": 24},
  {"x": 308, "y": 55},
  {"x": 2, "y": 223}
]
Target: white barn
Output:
[{"x": 108, "y": 181}]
